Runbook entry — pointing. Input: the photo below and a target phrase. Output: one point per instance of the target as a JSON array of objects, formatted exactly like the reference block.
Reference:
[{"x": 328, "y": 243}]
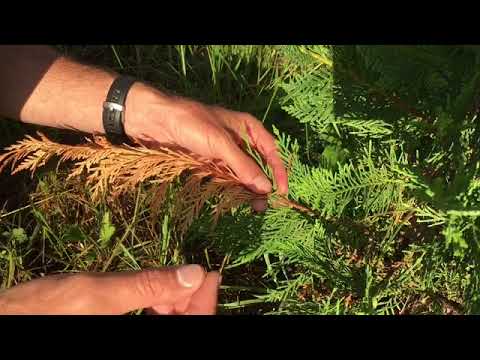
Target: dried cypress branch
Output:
[{"x": 117, "y": 170}]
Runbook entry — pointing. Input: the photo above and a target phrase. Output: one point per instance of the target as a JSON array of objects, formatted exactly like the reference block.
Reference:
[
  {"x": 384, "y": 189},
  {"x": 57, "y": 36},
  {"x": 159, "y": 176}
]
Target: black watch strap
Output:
[{"x": 114, "y": 110}]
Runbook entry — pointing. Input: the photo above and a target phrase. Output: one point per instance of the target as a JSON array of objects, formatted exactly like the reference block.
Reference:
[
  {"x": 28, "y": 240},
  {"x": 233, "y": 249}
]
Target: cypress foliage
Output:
[{"x": 390, "y": 171}]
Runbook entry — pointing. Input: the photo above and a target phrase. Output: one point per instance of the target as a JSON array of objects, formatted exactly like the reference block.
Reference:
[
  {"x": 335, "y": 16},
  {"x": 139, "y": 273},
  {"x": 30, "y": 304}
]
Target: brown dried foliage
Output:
[{"x": 112, "y": 171}]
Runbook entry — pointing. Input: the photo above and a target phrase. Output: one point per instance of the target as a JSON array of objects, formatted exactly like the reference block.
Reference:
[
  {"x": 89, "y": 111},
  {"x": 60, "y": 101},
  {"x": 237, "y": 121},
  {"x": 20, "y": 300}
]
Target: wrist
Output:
[{"x": 143, "y": 106}]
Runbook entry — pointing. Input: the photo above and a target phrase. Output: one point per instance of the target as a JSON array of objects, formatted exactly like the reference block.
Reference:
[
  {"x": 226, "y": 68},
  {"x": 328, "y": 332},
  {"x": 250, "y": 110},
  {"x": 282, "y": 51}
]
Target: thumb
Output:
[{"x": 143, "y": 289}]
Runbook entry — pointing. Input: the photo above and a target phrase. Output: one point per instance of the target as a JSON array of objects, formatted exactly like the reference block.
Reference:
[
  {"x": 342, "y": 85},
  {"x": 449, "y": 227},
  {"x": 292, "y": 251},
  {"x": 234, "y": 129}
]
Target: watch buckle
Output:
[{"x": 111, "y": 106}]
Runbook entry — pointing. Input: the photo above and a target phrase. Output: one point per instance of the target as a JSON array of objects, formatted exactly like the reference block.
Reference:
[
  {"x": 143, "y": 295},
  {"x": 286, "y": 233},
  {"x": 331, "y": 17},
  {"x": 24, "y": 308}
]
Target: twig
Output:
[{"x": 282, "y": 201}]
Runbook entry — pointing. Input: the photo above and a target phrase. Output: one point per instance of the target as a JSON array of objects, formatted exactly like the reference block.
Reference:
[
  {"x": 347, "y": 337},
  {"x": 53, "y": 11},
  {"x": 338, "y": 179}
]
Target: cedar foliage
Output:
[
  {"x": 112, "y": 171},
  {"x": 389, "y": 165}
]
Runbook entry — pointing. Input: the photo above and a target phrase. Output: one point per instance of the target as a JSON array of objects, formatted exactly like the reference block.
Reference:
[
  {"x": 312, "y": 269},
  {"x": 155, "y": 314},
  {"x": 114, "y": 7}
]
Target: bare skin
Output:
[
  {"x": 159, "y": 291},
  {"x": 39, "y": 86}
]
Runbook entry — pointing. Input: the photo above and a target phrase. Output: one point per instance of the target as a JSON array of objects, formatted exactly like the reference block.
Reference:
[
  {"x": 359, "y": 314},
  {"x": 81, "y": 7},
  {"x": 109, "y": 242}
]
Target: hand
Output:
[
  {"x": 184, "y": 290},
  {"x": 157, "y": 119},
  {"x": 44, "y": 88}
]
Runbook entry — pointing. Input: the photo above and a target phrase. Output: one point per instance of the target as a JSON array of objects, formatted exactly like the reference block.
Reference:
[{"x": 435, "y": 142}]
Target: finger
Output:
[
  {"x": 259, "y": 205},
  {"x": 204, "y": 301},
  {"x": 160, "y": 310},
  {"x": 125, "y": 292},
  {"x": 178, "y": 308},
  {"x": 182, "y": 306},
  {"x": 246, "y": 169},
  {"x": 265, "y": 143},
  {"x": 245, "y": 124}
]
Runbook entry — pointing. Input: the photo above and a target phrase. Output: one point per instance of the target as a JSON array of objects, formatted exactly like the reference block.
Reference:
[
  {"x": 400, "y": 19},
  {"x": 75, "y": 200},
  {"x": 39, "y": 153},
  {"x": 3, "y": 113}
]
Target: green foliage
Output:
[
  {"x": 394, "y": 192},
  {"x": 107, "y": 230}
]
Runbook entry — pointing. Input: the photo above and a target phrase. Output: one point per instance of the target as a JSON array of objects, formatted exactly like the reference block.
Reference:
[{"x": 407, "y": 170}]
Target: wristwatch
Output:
[{"x": 114, "y": 110}]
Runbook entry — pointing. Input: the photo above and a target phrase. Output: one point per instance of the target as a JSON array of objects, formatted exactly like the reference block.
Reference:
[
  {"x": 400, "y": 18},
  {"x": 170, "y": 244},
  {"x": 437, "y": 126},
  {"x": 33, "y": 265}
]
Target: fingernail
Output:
[
  {"x": 190, "y": 275},
  {"x": 262, "y": 184}
]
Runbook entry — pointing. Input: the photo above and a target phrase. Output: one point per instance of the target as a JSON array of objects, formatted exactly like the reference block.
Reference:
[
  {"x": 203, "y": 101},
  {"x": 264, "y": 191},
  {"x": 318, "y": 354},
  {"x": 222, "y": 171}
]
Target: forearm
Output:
[{"x": 38, "y": 85}]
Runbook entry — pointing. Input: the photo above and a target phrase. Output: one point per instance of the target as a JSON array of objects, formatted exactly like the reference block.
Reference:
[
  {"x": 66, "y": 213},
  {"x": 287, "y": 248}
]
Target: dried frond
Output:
[
  {"x": 117, "y": 170},
  {"x": 231, "y": 197}
]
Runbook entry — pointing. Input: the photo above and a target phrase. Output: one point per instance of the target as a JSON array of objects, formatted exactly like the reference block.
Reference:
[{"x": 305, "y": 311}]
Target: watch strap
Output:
[{"x": 114, "y": 110}]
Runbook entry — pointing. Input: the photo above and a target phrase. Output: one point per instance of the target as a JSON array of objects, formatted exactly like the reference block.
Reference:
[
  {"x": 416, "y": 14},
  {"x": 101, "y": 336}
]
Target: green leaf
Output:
[
  {"x": 18, "y": 235},
  {"x": 334, "y": 155},
  {"x": 455, "y": 238},
  {"x": 73, "y": 234},
  {"x": 107, "y": 230}
]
